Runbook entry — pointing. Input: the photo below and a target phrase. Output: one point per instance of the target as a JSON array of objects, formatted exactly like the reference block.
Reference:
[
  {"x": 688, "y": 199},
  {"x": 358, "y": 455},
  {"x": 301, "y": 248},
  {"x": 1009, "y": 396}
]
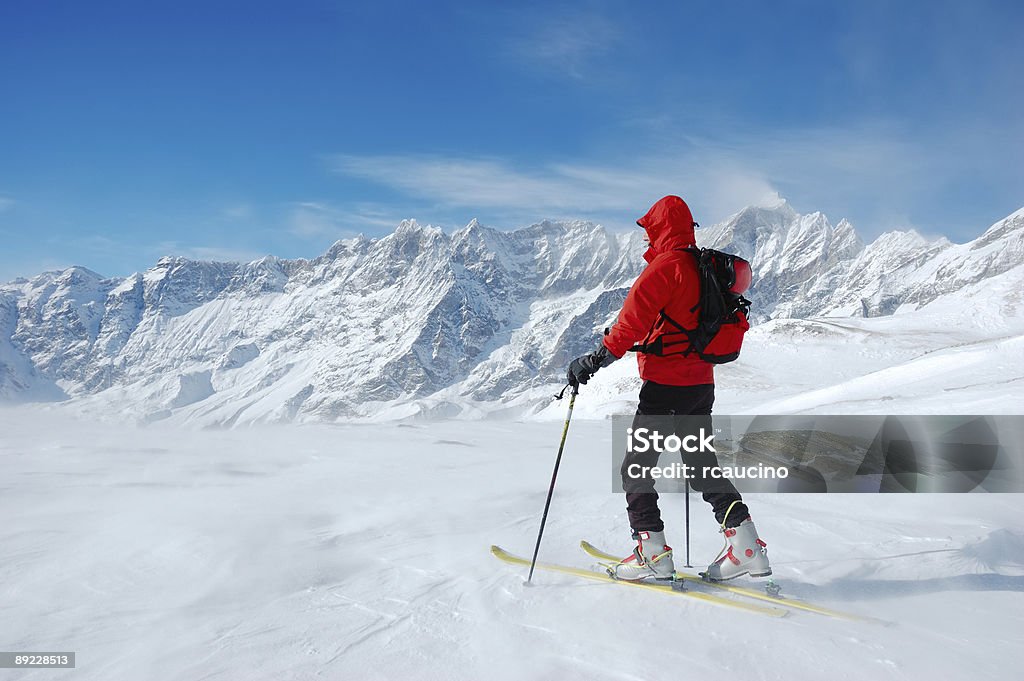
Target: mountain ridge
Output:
[{"x": 373, "y": 324}]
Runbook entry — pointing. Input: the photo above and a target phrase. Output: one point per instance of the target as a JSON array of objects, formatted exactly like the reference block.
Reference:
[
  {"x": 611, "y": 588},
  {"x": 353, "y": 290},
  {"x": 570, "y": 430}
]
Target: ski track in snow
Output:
[{"x": 360, "y": 551}]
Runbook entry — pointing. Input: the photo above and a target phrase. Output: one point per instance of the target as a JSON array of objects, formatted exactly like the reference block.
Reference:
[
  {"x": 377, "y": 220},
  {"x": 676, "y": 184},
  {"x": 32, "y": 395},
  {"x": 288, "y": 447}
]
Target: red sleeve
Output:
[{"x": 649, "y": 294}]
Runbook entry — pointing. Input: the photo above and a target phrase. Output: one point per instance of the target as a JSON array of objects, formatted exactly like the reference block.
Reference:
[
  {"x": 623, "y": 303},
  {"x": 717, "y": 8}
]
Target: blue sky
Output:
[{"x": 231, "y": 130}]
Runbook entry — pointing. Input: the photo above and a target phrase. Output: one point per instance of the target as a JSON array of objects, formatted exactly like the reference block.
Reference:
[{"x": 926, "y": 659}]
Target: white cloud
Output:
[
  {"x": 6, "y": 203},
  {"x": 464, "y": 182},
  {"x": 311, "y": 219},
  {"x": 308, "y": 219},
  {"x": 611, "y": 192},
  {"x": 879, "y": 175}
]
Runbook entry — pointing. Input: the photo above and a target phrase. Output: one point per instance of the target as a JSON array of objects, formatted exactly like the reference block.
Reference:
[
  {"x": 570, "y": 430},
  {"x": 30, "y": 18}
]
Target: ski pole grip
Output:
[{"x": 561, "y": 393}]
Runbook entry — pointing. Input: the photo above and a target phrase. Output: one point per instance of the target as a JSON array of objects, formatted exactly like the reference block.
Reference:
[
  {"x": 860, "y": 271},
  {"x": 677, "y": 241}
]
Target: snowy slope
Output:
[
  {"x": 19, "y": 378},
  {"x": 359, "y": 552},
  {"x": 961, "y": 354},
  {"x": 424, "y": 324}
]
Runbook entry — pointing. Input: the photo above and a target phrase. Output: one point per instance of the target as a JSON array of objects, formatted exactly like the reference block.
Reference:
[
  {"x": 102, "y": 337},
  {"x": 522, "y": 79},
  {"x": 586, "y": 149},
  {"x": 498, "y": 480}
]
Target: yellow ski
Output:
[
  {"x": 503, "y": 555},
  {"x": 739, "y": 590}
]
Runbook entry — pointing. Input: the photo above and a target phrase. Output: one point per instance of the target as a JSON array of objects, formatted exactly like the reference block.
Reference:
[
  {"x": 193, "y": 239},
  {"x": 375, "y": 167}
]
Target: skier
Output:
[{"x": 678, "y": 385}]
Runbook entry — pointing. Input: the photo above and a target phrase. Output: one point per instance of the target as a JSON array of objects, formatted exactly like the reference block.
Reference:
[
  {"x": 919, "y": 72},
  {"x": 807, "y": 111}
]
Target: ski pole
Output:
[
  {"x": 554, "y": 474},
  {"x": 688, "y": 523}
]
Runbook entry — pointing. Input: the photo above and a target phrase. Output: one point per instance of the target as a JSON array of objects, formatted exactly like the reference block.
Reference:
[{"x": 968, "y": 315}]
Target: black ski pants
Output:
[{"x": 641, "y": 498}]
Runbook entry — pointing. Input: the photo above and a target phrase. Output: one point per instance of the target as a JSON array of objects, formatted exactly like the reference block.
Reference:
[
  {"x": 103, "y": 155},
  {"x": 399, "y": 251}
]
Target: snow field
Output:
[{"x": 361, "y": 551}]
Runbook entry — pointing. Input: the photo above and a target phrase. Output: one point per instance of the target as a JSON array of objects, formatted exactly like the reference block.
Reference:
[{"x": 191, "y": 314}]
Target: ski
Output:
[
  {"x": 738, "y": 590},
  {"x": 503, "y": 555}
]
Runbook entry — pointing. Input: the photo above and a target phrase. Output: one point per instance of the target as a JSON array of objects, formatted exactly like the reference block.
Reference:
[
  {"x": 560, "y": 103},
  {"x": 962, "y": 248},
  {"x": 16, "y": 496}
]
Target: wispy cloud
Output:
[
  {"x": 883, "y": 174},
  {"x": 605, "y": 191},
  {"x": 466, "y": 181},
  {"x": 237, "y": 211},
  {"x": 565, "y": 44},
  {"x": 215, "y": 253},
  {"x": 312, "y": 219},
  {"x": 6, "y": 203},
  {"x": 870, "y": 173},
  {"x": 309, "y": 219}
]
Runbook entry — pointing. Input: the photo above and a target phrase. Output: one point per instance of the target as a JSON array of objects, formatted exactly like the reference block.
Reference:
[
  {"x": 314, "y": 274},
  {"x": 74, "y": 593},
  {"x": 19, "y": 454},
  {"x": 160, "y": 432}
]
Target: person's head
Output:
[{"x": 669, "y": 224}]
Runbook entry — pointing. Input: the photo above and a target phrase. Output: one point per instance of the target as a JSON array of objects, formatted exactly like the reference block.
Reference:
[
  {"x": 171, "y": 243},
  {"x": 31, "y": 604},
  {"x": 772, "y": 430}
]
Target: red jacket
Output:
[{"x": 669, "y": 283}]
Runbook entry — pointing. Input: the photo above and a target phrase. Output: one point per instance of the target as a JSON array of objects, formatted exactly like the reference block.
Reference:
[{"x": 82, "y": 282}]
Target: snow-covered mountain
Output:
[
  {"x": 428, "y": 323},
  {"x": 805, "y": 266}
]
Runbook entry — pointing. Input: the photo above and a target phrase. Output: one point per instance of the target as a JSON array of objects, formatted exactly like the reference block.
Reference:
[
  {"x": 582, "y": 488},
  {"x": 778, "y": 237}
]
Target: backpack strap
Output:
[
  {"x": 676, "y": 324},
  {"x": 657, "y": 345}
]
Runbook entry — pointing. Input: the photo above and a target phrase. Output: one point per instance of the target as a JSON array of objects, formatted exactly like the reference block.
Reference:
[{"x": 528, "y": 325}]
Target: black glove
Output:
[{"x": 585, "y": 366}]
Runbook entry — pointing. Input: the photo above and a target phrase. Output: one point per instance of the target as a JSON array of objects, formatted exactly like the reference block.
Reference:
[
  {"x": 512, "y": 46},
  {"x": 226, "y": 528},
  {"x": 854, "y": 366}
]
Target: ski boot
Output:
[
  {"x": 652, "y": 558},
  {"x": 743, "y": 553}
]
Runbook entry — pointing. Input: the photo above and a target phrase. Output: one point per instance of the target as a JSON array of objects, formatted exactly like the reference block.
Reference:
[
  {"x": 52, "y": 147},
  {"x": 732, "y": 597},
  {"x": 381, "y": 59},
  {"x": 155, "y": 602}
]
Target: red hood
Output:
[{"x": 669, "y": 226}]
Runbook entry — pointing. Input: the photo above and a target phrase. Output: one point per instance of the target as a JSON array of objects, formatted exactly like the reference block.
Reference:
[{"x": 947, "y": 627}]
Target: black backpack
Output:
[{"x": 722, "y": 317}]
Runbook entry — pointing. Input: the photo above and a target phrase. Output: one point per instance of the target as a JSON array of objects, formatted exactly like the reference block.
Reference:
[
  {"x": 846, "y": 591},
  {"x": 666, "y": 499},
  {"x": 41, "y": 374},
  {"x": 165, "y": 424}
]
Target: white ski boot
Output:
[
  {"x": 652, "y": 557},
  {"x": 743, "y": 553}
]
